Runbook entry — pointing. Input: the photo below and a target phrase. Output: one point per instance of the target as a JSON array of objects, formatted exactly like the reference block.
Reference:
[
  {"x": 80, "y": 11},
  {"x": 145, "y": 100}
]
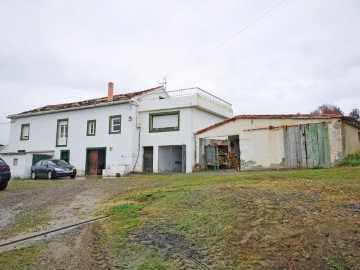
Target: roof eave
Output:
[
  {"x": 270, "y": 116},
  {"x": 17, "y": 116}
]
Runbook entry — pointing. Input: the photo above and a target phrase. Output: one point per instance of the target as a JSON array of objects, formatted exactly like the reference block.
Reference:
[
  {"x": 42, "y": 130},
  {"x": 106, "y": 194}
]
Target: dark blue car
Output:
[
  {"x": 52, "y": 168},
  {"x": 5, "y": 174}
]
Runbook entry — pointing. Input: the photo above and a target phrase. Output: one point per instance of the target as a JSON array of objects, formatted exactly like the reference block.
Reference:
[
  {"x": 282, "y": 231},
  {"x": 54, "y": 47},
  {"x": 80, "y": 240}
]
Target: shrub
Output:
[{"x": 351, "y": 160}]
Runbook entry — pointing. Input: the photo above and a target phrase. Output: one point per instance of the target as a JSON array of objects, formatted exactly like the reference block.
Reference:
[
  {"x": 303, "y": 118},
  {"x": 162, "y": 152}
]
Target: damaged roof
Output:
[
  {"x": 86, "y": 103},
  {"x": 270, "y": 116}
]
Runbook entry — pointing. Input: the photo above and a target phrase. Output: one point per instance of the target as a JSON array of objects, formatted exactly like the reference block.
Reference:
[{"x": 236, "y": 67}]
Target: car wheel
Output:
[
  {"x": 33, "y": 175},
  {"x": 50, "y": 175},
  {"x": 72, "y": 176},
  {"x": 3, "y": 185}
]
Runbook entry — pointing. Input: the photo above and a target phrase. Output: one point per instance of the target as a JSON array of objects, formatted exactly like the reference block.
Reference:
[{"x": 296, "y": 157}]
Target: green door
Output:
[
  {"x": 317, "y": 145},
  {"x": 38, "y": 157},
  {"x": 65, "y": 155},
  {"x": 307, "y": 146}
]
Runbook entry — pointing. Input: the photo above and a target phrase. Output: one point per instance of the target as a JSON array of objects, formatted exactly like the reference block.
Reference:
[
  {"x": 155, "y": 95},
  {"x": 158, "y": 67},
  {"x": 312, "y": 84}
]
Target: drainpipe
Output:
[{"x": 138, "y": 127}]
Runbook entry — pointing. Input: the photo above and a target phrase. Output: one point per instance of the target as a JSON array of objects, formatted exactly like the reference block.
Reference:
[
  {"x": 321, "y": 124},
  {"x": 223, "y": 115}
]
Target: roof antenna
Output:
[{"x": 163, "y": 83}]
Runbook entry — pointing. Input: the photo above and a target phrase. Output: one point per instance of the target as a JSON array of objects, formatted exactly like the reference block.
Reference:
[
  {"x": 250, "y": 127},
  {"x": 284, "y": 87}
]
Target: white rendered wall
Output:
[
  {"x": 119, "y": 147},
  {"x": 22, "y": 169},
  {"x": 191, "y": 119}
]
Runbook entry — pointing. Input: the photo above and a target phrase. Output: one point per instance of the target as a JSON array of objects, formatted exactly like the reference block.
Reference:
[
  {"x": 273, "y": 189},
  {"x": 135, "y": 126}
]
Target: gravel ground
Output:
[{"x": 61, "y": 203}]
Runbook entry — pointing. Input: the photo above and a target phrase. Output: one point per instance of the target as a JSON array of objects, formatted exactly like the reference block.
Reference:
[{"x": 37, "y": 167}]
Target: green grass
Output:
[
  {"x": 20, "y": 259},
  {"x": 351, "y": 160},
  {"x": 30, "y": 222},
  {"x": 153, "y": 266},
  {"x": 127, "y": 216}
]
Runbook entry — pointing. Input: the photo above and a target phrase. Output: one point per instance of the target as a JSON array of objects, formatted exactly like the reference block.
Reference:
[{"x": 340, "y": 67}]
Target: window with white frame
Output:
[{"x": 115, "y": 124}]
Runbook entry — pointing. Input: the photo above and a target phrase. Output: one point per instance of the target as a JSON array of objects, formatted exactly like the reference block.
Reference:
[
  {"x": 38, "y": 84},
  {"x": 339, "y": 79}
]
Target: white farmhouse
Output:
[{"x": 146, "y": 131}]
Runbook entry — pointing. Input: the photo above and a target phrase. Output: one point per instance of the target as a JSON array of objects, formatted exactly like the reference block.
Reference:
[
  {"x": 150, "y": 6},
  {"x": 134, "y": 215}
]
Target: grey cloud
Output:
[{"x": 300, "y": 55}]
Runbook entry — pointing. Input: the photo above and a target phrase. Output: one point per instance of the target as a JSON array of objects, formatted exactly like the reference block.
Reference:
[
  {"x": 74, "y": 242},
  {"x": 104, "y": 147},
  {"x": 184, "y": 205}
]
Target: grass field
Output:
[
  {"x": 306, "y": 219},
  {"x": 285, "y": 220}
]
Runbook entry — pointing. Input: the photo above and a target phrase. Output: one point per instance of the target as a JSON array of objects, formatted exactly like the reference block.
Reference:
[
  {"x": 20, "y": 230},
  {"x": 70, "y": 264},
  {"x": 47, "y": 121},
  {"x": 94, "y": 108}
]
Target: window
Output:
[
  {"x": 115, "y": 124},
  {"x": 25, "y": 132},
  {"x": 91, "y": 128},
  {"x": 15, "y": 162},
  {"x": 62, "y": 132},
  {"x": 162, "y": 122}
]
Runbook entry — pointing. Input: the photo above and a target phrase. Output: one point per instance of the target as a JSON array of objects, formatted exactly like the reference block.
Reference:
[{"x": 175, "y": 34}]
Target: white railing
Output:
[{"x": 198, "y": 91}]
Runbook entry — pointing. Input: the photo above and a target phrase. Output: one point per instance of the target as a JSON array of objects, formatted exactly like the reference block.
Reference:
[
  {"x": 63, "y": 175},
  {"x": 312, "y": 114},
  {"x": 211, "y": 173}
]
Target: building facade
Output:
[{"x": 150, "y": 131}]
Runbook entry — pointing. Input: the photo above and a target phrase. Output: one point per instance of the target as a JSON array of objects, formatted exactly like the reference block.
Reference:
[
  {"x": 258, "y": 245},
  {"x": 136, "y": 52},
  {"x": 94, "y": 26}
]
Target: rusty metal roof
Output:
[
  {"x": 85, "y": 103},
  {"x": 270, "y": 116}
]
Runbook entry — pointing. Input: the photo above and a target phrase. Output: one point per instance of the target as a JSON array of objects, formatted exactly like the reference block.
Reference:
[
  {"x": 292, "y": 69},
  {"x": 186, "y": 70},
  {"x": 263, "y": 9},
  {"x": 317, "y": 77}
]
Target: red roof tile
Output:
[
  {"x": 270, "y": 116},
  {"x": 103, "y": 100}
]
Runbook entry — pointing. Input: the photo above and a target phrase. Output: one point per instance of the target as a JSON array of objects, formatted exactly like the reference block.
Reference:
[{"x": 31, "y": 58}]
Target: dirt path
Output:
[{"x": 51, "y": 205}]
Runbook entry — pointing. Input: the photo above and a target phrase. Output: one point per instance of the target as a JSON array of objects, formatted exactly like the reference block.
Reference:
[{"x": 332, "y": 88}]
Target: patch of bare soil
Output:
[
  {"x": 77, "y": 249},
  {"x": 157, "y": 238}
]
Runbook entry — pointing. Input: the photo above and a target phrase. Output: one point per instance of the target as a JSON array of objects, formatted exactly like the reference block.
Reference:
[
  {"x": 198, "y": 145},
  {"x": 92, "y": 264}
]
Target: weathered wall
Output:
[
  {"x": 352, "y": 139},
  {"x": 262, "y": 148},
  {"x": 262, "y": 140},
  {"x": 336, "y": 141}
]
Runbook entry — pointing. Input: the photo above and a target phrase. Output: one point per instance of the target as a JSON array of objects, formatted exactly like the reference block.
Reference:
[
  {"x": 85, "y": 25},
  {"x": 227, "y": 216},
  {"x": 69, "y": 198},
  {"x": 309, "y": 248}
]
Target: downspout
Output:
[
  {"x": 138, "y": 153},
  {"x": 138, "y": 127},
  {"x": 193, "y": 135}
]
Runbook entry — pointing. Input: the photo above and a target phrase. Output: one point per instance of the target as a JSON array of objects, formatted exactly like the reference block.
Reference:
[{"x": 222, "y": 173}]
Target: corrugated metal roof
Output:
[
  {"x": 84, "y": 103},
  {"x": 270, "y": 116}
]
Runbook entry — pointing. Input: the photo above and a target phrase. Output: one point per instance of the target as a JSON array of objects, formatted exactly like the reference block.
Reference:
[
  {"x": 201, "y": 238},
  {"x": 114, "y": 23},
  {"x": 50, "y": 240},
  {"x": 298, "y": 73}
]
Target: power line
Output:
[{"x": 231, "y": 37}]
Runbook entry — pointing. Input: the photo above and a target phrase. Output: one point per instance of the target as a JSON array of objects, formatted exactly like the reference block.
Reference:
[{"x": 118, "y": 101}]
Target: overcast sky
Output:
[{"x": 296, "y": 57}]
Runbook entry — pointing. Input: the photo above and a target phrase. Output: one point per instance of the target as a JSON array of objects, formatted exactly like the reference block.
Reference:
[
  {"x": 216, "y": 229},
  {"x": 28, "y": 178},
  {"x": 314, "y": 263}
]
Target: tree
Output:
[
  {"x": 328, "y": 109},
  {"x": 355, "y": 113}
]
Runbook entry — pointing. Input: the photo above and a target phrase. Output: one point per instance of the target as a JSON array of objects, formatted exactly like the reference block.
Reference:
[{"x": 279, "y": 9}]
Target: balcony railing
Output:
[{"x": 200, "y": 92}]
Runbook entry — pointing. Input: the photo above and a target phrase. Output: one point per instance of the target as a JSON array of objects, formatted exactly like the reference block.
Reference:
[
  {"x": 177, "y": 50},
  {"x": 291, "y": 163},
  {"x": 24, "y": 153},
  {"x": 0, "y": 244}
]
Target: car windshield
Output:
[
  {"x": 59, "y": 162},
  {"x": 2, "y": 162}
]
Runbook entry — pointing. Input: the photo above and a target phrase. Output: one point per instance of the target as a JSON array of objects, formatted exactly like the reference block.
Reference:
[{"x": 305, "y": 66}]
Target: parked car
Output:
[
  {"x": 5, "y": 174},
  {"x": 52, "y": 168}
]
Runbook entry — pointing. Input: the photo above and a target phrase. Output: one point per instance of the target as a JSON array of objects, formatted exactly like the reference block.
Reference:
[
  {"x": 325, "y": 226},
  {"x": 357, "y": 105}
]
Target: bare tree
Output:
[{"x": 328, "y": 109}]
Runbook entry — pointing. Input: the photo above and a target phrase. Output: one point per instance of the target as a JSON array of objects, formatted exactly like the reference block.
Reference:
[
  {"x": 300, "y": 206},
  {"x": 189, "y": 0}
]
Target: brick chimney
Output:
[{"x": 110, "y": 91}]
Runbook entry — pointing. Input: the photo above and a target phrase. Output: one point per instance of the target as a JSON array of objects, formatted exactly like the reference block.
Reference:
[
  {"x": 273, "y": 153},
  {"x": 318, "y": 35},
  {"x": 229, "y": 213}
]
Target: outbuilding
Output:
[{"x": 277, "y": 141}]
